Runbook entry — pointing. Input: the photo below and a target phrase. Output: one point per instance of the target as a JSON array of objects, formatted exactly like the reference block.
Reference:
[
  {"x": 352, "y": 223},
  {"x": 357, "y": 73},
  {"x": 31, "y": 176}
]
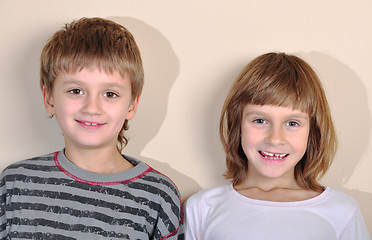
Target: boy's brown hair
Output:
[
  {"x": 89, "y": 43},
  {"x": 281, "y": 80}
]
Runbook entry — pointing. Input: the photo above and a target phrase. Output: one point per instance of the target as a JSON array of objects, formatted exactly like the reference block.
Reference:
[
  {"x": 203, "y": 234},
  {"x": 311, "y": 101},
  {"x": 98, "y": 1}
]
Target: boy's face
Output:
[
  {"x": 274, "y": 139},
  {"x": 91, "y": 106}
]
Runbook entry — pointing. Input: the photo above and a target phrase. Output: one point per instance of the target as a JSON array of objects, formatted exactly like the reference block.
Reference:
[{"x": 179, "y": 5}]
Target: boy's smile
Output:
[
  {"x": 91, "y": 106},
  {"x": 90, "y": 125},
  {"x": 274, "y": 139}
]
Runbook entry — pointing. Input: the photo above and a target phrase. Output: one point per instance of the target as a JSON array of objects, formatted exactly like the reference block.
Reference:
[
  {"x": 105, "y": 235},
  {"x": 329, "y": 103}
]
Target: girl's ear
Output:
[
  {"x": 48, "y": 101},
  {"x": 133, "y": 108}
]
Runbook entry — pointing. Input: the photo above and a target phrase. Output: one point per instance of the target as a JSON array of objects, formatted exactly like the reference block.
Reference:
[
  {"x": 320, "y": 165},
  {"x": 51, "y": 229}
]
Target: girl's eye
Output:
[
  {"x": 259, "y": 121},
  {"x": 293, "y": 124},
  {"x": 110, "y": 95},
  {"x": 76, "y": 91}
]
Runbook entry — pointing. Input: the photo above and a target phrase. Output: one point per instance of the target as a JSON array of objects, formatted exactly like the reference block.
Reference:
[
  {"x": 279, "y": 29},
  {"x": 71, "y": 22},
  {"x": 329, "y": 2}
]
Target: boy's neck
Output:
[{"x": 100, "y": 160}]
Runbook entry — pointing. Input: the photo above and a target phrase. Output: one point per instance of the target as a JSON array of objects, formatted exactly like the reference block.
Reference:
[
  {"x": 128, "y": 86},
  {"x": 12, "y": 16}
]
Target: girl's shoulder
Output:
[
  {"x": 210, "y": 195},
  {"x": 338, "y": 200},
  {"x": 332, "y": 199}
]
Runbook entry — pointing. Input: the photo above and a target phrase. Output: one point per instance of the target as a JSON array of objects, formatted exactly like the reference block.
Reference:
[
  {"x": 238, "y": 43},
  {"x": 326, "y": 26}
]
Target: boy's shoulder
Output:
[
  {"x": 154, "y": 179},
  {"x": 29, "y": 170},
  {"x": 143, "y": 191},
  {"x": 33, "y": 163},
  {"x": 55, "y": 165}
]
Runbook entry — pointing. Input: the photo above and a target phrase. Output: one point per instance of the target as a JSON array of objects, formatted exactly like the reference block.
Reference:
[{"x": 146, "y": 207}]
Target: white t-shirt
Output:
[{"x": 222, "y": 213}]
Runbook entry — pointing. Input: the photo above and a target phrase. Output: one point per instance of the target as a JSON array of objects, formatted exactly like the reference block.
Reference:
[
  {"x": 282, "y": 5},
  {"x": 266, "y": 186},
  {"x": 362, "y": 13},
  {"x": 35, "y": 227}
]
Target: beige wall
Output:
[{"x": 192, "y": 50}]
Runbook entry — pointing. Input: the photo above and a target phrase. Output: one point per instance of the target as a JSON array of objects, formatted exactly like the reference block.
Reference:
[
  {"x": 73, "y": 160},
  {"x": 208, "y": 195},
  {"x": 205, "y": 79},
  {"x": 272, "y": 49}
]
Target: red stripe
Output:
[{"x": 97, "y": 183}]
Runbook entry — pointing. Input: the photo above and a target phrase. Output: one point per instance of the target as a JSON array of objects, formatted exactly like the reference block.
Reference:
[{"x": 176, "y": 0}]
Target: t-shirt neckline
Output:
[
  {"x": 139, "y": 170},
  {"x": 312, "y": 201}
]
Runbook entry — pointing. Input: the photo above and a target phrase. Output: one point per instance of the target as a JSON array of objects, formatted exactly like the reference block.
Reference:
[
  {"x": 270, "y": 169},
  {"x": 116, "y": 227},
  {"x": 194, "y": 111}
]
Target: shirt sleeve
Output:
[
  {"x": 170, "y": 222},
  {"x": 177, "y": 234},
  {"x": 192, "y": 216},
  {"x": 2, "y": 207},
  {"x": 356, "y": 229}
]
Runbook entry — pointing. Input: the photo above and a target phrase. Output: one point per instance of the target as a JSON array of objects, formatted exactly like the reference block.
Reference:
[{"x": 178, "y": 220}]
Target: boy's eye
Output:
[
  {"x": 76, "y": 91},
  {"x": 110, "y": 95}
]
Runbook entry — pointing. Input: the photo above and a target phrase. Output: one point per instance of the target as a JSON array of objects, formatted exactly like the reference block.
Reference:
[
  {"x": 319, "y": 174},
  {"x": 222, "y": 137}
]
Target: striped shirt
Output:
[{"x": 48, "y": 197}]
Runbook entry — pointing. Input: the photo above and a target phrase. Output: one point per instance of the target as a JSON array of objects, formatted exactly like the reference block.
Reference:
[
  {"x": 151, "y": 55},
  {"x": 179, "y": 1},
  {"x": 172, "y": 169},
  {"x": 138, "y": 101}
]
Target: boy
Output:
[{"x": 91, "y": 79}]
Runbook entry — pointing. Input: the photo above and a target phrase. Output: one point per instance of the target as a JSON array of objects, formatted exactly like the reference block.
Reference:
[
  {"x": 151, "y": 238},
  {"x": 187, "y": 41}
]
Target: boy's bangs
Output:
[{"x": 73, "y": 64}]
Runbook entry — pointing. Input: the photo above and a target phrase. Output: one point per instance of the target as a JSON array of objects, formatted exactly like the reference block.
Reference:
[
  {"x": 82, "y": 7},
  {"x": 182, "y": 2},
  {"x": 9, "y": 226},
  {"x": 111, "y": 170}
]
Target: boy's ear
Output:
[
  {"x": 133, "y": 108},
  {"x": 48, "y": 101}
]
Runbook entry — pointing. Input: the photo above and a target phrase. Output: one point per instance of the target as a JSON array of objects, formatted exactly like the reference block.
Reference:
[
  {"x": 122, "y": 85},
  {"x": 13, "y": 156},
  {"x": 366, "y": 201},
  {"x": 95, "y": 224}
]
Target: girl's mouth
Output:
[{"x": 273, "y": 156}]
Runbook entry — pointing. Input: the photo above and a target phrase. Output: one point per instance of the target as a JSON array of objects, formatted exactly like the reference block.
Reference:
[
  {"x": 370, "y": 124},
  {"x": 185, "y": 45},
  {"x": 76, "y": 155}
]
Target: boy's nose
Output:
[{"x": 92, "y": 105}]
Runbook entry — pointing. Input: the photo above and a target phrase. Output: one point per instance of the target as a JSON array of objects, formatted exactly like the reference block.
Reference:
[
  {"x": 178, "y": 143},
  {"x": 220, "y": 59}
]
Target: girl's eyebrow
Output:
[
  {"x": 303, "y": 116},
  {"x": 295, "y": 115},
  {"x": 249, "y": 113},
  {"x": 256, "y": 112}
]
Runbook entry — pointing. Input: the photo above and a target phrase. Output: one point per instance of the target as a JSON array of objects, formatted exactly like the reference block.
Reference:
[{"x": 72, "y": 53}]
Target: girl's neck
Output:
[
  {"x": 277, "y": 194},
  {"x": 286, "y": 190}
]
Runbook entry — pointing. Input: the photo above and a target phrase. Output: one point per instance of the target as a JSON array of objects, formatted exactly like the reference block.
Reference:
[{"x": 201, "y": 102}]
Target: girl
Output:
[{"x": 279, "y": 139}]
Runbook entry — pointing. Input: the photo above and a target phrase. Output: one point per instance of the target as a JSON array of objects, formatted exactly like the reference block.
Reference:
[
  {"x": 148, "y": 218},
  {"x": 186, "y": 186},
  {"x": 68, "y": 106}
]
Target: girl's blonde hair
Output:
[{"x": 281, "y": 80}]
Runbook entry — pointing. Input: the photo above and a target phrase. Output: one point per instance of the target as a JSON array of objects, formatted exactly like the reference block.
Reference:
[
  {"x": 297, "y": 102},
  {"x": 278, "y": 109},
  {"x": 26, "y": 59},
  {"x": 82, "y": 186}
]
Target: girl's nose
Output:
[{"x": 275, "y": 136}]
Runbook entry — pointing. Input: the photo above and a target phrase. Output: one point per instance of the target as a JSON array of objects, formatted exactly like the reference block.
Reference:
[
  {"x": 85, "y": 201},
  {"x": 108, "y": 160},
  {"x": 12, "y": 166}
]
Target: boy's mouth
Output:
[
  {"x": 89, "y": 124},
  {"x": 273, "y": 156}
]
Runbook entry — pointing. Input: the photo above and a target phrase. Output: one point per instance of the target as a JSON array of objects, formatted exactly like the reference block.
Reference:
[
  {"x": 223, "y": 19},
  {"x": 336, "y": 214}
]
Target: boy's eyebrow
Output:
[
  {"x": 110, "y": 85},
  {"x": 106, "y": 85},
  {"x": 72, "y": 81}
]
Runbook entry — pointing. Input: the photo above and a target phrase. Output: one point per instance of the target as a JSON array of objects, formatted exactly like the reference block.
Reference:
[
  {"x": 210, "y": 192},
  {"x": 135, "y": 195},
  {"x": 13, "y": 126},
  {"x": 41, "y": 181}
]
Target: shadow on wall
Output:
[
  {"x": 349, "y": 103},
  {"x": 161, "y": 69},
  {"x": 211, "y": 119},
  {"x": 41, "y": 134}
]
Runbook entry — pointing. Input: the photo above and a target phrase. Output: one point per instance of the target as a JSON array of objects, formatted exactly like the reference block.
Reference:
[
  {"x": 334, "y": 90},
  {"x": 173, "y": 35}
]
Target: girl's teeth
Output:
[{"x": 274, "y": 155}]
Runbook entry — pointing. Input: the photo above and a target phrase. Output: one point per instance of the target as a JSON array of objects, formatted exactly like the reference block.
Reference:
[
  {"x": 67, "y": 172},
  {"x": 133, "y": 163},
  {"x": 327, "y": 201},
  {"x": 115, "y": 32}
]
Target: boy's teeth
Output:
[{"x": 90, "y": 124}]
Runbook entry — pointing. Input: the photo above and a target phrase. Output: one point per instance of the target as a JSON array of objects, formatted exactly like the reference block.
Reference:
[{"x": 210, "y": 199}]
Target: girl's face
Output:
[{"x": 274, "y": 139}]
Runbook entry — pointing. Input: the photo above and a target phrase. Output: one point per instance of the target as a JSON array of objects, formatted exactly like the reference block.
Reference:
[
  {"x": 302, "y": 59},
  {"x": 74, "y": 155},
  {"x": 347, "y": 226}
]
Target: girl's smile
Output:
[{"x": 268, "y": 156}]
